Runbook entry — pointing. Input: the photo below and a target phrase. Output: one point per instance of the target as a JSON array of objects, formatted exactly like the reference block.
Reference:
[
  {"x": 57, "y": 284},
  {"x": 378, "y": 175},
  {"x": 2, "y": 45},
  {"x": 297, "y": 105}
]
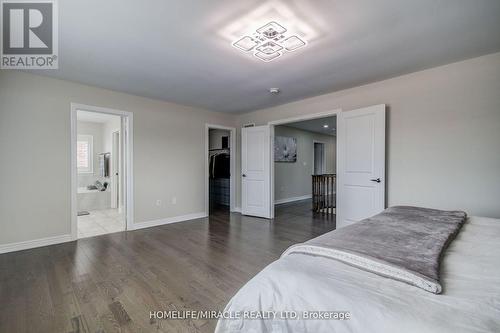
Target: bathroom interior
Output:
[{"x": 99, "y": 162}]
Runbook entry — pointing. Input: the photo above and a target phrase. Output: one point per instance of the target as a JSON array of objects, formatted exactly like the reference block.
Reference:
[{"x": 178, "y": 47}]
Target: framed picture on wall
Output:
[{"x": 285, "y": 149}]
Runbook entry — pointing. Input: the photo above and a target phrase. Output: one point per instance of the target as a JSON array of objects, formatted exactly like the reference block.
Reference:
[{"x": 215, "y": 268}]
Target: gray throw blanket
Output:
[{"x": 402, "y": 243}]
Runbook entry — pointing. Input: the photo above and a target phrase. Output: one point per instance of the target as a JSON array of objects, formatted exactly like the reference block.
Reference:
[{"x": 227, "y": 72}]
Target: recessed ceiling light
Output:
[
  {"x": 274, "y": 91},
  {"x": 269, "y": 42},
  {"x": 325, "y": 126}
]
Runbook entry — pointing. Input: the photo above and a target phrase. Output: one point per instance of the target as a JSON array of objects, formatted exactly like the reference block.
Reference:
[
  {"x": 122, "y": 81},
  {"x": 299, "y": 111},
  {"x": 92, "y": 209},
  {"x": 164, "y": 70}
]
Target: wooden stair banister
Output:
[{"x": 323, "y": 193}]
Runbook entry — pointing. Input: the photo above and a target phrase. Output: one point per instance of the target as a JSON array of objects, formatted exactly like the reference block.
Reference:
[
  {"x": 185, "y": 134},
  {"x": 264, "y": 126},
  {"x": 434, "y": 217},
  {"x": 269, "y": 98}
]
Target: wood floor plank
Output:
[{"x": 111, "y": 283}]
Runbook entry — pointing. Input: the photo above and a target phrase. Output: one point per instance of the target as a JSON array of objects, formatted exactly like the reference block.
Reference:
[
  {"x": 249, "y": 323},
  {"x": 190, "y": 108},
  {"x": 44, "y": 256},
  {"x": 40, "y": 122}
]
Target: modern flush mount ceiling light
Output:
[
  {"x": 269, "y": 42},
  {"x": 273, "y": 29}
]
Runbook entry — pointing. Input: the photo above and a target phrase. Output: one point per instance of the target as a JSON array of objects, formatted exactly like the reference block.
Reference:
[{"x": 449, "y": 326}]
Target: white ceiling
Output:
[
  {"x": 180, "y": 50},
  {"x": 317, "y": 125}
]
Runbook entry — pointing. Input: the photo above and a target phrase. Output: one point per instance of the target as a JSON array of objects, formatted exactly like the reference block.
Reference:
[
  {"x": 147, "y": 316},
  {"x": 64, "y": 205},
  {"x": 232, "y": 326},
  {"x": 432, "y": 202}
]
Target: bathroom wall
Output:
[
  {"x": 96, "y": 130},
  {"x": 102, "y": 133},
  {"x": 111, "y": 126},
  {"x": 93, "y": 200}
]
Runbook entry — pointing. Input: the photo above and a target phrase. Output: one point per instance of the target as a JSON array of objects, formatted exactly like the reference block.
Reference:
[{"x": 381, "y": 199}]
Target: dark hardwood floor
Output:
[{"x": 111, "y": 283}]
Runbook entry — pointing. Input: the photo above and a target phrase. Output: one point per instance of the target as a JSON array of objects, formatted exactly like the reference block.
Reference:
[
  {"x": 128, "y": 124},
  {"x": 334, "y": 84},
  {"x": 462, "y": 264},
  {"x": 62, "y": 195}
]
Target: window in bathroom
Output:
[{"x": 84, "y": 160}]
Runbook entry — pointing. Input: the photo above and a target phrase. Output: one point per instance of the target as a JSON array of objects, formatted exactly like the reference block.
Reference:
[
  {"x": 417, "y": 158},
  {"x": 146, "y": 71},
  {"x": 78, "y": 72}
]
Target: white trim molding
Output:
[
  {"x": 168, "y": 220},
  {"x": 324, "y": 114},
  {"x": 293, "y": 199},
  {"x": 31, "y": 244}
]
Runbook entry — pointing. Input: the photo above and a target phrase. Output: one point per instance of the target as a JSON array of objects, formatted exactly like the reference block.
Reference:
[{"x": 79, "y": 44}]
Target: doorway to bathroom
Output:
[{"x": 101, "y": 171}]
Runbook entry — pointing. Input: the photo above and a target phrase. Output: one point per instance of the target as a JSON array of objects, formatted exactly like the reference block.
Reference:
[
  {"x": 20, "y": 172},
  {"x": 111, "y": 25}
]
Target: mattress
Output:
[{"x": 301, "y": 284}]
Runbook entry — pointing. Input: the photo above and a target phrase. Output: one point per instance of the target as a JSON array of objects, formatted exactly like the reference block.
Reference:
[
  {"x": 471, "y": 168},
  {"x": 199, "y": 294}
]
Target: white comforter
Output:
[{"x": 470, "y": 301}]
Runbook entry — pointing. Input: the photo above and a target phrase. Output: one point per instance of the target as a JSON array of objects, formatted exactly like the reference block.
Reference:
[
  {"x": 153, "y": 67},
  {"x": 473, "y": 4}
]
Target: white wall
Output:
[
  {"x": 109, "y": 127},
  {"x": 443, "y": 133},
  {"x": 292, "y": 180},
  {"x": 443, "y": 139},
  {"x": 169, "y": 154}
]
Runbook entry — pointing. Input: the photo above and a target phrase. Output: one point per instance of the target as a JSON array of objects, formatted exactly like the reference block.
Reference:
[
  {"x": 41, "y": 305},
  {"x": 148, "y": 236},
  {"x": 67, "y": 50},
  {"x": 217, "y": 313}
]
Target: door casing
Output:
[{"x": 127, "y": 130}]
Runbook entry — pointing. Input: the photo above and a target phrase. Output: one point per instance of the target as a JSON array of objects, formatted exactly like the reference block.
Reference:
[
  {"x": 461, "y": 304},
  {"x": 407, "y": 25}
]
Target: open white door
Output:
[
  {"x": 255, "y": 171},
  {"x": 360, "y": 164}
]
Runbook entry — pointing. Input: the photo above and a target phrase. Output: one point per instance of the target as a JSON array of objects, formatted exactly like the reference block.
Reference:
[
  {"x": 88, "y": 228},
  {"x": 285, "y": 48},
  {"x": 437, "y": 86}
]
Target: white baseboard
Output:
[
  {"x": 287, "y": 200},
  {"x": 31, "y": 244},
  {"x": 168, "y": 220},
  {"x": 237, "y": 210}
]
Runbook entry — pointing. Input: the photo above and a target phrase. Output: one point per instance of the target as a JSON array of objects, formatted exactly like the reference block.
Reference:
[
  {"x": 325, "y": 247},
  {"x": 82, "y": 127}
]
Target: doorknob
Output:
[
  {"x": 376, "y": 180},
  {"x": 243, "y": 175}
]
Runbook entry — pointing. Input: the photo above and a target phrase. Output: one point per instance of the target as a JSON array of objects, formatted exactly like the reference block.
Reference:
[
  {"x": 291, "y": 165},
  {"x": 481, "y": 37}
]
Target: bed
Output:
[{"x": 299, "y": 283}]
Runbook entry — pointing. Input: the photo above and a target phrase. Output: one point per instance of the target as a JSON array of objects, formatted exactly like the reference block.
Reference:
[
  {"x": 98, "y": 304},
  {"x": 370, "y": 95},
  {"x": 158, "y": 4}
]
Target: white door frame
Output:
[
  {"x": 127, "y": 131},
  {"x": 324, "y": 156},
  {"x": 284, "y": 121},
  {"x": 232, "y": 161},
  {"x": 115, "y": 169}
]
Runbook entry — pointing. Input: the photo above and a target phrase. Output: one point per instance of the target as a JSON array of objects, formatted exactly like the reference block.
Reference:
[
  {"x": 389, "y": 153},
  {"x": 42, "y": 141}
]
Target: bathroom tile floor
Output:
[{"x": 100, "y": 222}]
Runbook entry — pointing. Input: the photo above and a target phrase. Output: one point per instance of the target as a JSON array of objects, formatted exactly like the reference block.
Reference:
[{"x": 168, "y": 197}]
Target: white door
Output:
[
  {"x": 360, "y": 164},
  {"x": 255, "y": 171}
]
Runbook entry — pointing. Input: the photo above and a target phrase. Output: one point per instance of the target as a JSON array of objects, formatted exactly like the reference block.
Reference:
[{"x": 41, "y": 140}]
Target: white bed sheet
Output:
[{"x": 470, "y": 301}]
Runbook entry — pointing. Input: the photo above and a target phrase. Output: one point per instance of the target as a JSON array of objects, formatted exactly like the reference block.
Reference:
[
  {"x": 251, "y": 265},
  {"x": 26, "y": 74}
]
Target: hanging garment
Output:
[{"x": 220, "y": 165}]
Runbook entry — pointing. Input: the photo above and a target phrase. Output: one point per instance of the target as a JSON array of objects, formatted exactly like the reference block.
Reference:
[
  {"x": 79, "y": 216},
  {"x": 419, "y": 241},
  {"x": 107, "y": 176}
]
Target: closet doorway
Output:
[{"x": 219, "y": 169}]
